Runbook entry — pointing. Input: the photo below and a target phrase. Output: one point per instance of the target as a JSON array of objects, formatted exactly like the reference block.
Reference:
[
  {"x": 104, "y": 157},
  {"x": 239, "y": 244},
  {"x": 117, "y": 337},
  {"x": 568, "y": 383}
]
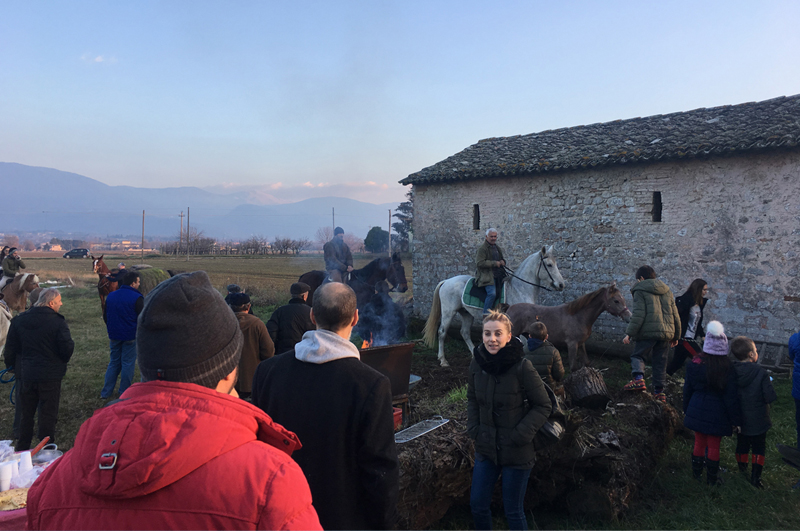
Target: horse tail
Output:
[{"x": 430, "y": 332}]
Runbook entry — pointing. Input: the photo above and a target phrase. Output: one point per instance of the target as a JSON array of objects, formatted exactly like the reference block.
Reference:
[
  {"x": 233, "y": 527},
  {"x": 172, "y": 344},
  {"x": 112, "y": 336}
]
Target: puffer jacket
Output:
[
  {"x": 706, "y": 410},
  {"x": 654, "y": 313},
  {"x": 755, "y": 395},
  {"x": 505, "y": 411},
  {"x": 545, "y": 359},
  {"x": 173, "y": 455},
  {"x": 484, "y": 263}
]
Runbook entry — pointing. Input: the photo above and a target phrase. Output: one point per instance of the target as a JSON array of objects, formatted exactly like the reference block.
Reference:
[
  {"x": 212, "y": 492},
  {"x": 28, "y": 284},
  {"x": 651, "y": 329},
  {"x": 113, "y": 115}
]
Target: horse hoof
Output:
[{"x": 444, "y": 363}]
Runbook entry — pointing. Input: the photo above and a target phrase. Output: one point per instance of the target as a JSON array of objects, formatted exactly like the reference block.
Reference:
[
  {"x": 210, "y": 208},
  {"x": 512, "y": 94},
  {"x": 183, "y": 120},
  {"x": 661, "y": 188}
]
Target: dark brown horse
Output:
[
  {"x": 570, "y": 325},
  {"x": 105, "y": 283},
  {"x": 363, "y": 280}
]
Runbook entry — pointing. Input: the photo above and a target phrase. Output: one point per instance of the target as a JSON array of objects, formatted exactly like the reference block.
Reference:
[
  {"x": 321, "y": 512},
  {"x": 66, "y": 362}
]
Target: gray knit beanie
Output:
[{"x": 187, "y": 333}]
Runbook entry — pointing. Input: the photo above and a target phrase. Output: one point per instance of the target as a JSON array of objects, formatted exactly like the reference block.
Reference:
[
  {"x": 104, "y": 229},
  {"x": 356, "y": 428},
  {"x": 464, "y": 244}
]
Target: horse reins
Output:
[{"x": 552, "y": 280}]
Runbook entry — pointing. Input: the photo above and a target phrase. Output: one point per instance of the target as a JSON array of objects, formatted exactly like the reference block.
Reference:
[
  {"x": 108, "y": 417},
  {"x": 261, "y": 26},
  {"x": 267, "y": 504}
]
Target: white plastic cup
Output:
[
  {"x": 25, "y": 463},
  {"x": 5, "y": 476},
  {"x": 14, "y": 468}
]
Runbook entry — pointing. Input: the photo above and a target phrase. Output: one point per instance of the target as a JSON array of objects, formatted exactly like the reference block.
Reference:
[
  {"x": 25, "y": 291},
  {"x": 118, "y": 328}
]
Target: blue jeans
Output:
[
  {"x": 797, "y": 420},
  {"x": 515, "y": 483},
  {"x": 123, "y": 360},
  {"x": 660, "y": 353},
  {"x": 491, "y": 296}
]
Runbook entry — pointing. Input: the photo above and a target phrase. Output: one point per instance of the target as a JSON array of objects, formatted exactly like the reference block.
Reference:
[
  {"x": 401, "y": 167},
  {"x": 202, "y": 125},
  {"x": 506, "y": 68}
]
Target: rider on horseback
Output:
[
  {"x": 11, "y": 266},
  {"x": 338, "y": 260},
  {"x": 491, "y": 269}
]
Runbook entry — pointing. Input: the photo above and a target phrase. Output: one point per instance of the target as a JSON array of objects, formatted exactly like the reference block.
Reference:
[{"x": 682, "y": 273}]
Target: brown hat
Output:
[
  {"x": 298, "y": 288},
  {"x": 187, "y": 333}
]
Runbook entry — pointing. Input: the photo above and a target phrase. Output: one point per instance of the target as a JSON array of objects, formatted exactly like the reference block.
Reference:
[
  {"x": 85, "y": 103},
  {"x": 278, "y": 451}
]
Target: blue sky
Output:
[{"x": 300, "y": 99}]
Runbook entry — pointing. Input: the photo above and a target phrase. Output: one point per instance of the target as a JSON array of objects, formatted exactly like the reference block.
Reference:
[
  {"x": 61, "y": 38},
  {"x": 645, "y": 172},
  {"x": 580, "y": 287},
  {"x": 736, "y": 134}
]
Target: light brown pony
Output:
[
  {"x": 15, "y": 293},
  {"x": 105, "y": 285},
  {"x": 570, "y": 325}
]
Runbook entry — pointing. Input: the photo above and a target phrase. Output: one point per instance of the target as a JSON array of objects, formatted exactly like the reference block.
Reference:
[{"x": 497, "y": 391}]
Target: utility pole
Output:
[
  {"x": 180, "y": 238},
  {"x": 142, "y": 236},
  {"x": 187, "y": 234},
  {"x": 390, "y": 232},
  {"x": 333, "y": 218}
]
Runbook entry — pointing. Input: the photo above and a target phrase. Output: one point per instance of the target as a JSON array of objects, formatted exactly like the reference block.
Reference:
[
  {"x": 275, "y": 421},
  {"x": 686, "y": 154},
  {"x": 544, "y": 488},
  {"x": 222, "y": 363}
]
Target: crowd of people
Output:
[{"x": 238, "y": 423}]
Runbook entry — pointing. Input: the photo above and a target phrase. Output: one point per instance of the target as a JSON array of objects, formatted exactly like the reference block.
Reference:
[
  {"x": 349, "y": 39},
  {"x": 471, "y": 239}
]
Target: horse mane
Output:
[
  {"x": 369, "y": 269},
  {"x": 582, "y": 302}
]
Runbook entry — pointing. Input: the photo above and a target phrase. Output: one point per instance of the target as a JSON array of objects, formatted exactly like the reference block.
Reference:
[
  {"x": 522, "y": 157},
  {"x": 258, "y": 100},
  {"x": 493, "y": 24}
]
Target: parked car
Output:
[{"x": 77, "y": 253}]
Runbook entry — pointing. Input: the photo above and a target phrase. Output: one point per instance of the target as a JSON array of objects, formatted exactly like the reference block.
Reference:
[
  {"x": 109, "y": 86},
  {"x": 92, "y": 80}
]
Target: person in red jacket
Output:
[{"x": 179, "y": 450}]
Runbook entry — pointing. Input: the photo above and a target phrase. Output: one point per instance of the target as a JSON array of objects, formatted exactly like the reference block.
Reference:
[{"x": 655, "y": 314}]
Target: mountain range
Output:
[{"x": 39, "y": 199}]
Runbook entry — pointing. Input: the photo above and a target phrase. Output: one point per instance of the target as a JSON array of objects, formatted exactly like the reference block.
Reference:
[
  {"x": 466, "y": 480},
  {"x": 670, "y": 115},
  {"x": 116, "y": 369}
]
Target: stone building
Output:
[{"x": 709, "y": 193}]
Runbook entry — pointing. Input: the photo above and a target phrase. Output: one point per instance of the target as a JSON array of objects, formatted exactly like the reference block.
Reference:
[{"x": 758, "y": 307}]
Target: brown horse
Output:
[
  {"x": 15, "y": 293},
  {"x": 363, "y": 280},
  {"x": 570, "y": 325},
  {"x": 105, "y": 283}
]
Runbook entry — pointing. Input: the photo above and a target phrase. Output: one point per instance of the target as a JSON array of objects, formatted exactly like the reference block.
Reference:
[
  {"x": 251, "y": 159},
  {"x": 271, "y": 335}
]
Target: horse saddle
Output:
[{"x": 475, "y": 296}]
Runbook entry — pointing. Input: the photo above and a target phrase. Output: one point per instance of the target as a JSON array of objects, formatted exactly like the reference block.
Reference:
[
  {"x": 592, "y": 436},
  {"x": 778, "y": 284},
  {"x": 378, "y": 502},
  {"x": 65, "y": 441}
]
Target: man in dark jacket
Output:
[
  {"x": 490, "y": 263},
  {"x": 341, "y": 409},
  {"x": 257, "y": 345},
  {"x": 655, "y": 326},
  {"x": 338, "y": 259},
  {"x": 40, "y": 345},
  {"x": 289, "y": 322},
  {"x": 120, "y": 312}
]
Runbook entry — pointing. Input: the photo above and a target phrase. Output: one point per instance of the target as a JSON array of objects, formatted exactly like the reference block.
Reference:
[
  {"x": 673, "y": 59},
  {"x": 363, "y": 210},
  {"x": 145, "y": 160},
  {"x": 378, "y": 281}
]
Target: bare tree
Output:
[
  {"x": 355, "y": 243},
  {"x": 28, "y": 245},
  {"x": 300, "y": 245},
  {"x": 12, "y": 240},
  {"x": 323, "y": 235},
  {"x": 282, "y": 245}
]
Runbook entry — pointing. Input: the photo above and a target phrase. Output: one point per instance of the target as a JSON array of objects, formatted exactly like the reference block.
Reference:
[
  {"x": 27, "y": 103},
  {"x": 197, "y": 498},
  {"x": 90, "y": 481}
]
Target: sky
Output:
[{"x": 298, "y": 99}]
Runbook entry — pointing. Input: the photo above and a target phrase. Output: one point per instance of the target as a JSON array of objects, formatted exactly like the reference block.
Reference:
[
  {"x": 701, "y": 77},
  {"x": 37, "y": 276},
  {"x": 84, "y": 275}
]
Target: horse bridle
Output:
[{"x": 538, "y": 271}]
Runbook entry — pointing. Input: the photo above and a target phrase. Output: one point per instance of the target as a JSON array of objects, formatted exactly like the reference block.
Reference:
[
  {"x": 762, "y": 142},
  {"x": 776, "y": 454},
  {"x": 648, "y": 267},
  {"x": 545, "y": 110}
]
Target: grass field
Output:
[{"x": 669, "y": 500}]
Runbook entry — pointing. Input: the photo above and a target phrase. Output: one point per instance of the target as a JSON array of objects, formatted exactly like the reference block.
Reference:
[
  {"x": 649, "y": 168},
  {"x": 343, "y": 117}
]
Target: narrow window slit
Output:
[
  {"x": 657, "y": 207},
  {"x": 476, "y": 217}
]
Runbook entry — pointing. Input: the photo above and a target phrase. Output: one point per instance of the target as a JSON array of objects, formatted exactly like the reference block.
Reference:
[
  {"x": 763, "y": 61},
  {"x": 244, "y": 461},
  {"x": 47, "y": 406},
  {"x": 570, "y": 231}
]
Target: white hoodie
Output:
[{"x": 322, "y": 346}]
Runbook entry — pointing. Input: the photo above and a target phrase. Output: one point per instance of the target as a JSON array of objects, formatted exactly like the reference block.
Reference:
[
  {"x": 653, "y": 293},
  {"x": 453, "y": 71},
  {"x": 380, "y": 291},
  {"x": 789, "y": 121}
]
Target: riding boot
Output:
[
  {"x": 698, "y": 463},
  {"x": 712, "y": 473}
]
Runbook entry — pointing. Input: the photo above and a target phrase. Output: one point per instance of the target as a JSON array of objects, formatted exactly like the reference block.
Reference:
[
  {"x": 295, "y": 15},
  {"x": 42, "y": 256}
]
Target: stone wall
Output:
[{"x": 733, "y": 221}]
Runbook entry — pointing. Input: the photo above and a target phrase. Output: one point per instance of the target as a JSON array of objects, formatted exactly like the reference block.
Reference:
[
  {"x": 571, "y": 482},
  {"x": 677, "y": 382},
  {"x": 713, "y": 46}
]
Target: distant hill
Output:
[{"x": 47, "y": 200}]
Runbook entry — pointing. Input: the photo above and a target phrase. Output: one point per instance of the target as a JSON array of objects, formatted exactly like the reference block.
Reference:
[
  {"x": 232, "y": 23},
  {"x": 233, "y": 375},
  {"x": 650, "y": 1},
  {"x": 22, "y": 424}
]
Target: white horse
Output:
[
  {"x": 5, "y": 323},
  {"x": 537, "y": 270}
]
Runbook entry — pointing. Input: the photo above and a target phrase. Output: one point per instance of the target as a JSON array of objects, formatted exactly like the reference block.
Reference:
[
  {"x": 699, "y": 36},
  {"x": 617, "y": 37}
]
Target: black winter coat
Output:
[
  {"x": 39, "y": 345},
  {"x": 505, "y": 411},
  {"x": 706, "y": 410},
  {"x": 755, "y": 395},
  {"x": 684, "y": 305},
  {"x": 288, "y": 323},
  {"x": 342, "y": 412}
]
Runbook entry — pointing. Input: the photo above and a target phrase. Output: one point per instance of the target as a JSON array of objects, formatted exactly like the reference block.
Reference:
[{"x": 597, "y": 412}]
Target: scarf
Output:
[{"x": 506, "y": 357}]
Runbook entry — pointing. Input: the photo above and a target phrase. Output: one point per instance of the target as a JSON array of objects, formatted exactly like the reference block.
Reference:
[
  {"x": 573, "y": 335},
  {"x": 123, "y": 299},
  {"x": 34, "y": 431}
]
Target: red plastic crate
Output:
[{"x": 398, "y": 417}]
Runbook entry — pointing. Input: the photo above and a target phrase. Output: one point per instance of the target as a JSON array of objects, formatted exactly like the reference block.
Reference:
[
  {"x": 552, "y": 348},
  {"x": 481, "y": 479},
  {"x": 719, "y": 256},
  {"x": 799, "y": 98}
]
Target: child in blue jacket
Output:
[
  {"x": 710, "y": 402},
  {"x": 794, "y": 354}
]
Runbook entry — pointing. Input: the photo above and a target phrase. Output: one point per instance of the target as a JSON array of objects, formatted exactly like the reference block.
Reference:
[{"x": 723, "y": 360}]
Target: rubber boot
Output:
[
  {"x": 758, "y": 466},
  {"x": 712, "y": 473},
  {"x": 741, "y": 460},
  {"x": 698, "y": 462}
]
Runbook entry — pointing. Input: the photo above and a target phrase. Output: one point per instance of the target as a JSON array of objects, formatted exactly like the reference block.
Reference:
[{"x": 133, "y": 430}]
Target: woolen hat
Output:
[
  {"x": 238, "y": 299},
  {"x": 187, "y": 333},
  {"x": 338, "y": 230},
  {"x": 716, "y": 343},
  {"x": 233, "y": 288},
  {"x": 298, "y": 288}
]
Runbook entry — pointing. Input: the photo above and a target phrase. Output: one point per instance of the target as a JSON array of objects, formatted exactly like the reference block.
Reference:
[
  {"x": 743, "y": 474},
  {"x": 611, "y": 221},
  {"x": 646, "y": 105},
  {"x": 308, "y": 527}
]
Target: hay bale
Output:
[{"x": 150, "y": 278}]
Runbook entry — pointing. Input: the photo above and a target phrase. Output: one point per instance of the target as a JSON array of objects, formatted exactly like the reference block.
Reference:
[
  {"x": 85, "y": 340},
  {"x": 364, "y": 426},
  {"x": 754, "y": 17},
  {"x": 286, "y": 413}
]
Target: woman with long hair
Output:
[
  {"x": 690, "y": 309},
  {"x": 506, "y": 405}
]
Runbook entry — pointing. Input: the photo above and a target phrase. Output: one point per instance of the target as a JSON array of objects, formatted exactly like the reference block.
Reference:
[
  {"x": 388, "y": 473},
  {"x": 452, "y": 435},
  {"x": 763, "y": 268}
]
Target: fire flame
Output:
[{"x": 367, "y": 344}]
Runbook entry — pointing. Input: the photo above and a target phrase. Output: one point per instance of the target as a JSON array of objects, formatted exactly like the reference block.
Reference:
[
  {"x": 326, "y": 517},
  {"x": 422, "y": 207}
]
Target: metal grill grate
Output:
[{"x": 418, "y": 429}]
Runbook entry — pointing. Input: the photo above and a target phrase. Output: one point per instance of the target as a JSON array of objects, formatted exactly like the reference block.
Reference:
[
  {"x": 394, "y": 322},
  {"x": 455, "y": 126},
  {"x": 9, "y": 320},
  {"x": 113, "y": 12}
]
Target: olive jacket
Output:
[
  {"x": 485, "y": 263},
  {"x": 546, "y": 359},
  {"x": 654, "y": 313},
  {"x": 11, "y": 266},
  {"x": 505, "y": 411}
]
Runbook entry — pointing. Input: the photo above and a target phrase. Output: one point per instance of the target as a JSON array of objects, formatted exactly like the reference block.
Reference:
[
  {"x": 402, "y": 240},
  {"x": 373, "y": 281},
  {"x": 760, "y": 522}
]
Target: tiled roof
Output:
[{"x": 717, "y": 131}]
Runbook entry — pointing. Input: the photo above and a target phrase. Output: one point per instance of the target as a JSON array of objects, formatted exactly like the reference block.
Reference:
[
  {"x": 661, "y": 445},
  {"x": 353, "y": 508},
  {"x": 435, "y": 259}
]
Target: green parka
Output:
[
  {"x": 484, "y": 264},
  {"x": 505, "y": 411},
  {"x": 11, "y": 266},
  {"x": 655, "y": 315},
  {"x": 547, "y": 361}
]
